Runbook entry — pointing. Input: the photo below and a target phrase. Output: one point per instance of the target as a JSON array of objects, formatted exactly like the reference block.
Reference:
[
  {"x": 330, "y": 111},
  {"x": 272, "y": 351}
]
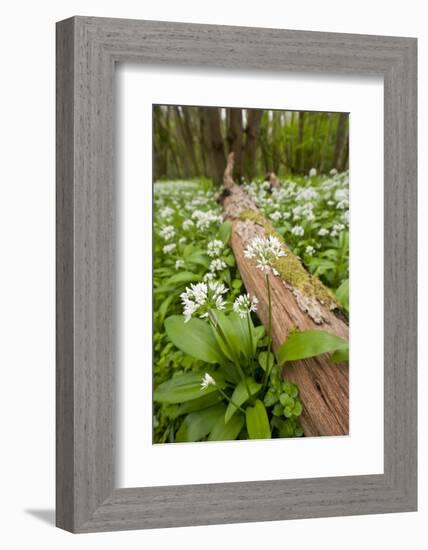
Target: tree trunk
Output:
[
  {"x": 341, "y": 137},
  {"x": 300, "y": 160},
  {"x": 213, "y": 141},
  {"x": 182, "y": 115},
  {"x": 234, "y": 138},
  {"x": 304, "y": 305},
  {"x": 254, "y": 117}
]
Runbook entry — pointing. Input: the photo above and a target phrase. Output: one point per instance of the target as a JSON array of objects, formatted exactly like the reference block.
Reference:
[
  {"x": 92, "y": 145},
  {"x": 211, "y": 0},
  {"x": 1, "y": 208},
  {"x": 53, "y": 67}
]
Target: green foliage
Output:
[
  {"x": 184, "y": 387},
  {"x": 309, "y": 343},
  {"x": 214, "y": 375},
  {"x": 198, "y": 425},
  {"x": 257, "y": 421},
  {"x": 195, "y": 338},
  {"x": 240, "y": 395}
]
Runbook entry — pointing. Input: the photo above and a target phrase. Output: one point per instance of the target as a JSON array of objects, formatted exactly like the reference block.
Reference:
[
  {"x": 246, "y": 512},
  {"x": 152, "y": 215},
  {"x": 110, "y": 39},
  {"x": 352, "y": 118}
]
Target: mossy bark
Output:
[{"x": 300, "y": 301}]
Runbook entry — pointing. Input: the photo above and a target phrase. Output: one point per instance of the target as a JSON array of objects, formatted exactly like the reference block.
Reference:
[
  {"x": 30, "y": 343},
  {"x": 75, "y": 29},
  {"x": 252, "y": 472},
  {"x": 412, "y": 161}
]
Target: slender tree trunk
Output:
[
  {"x": 300, "y": 160},
  {"x": 324, "y": 387},
  {"x": 234, "y": 138},
  {"x": 183, "y": 116},
  {"x": 254, "y": 117},
  {"x": 325, "y": 142},
  {"x": 160, "y": 138},
  {"x": 213, "y": 141},
  {"x": 341, "y": 136}
]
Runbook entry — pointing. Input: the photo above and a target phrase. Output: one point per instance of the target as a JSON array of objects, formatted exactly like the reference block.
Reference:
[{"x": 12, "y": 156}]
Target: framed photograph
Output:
[{"x": 236, "y": 274}]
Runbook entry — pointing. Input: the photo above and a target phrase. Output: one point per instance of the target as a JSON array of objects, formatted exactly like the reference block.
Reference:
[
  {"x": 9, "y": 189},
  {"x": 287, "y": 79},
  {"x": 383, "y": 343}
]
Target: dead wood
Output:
[{"x": 299, "y": 301}]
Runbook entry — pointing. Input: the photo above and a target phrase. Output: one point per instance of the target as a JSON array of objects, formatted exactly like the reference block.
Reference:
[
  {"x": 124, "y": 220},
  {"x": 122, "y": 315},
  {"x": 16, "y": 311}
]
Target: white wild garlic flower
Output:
[
  {"x": 169, "y": 248},
  {"x": 217, "y": 265},
  {"x": 310, "y": 250},
  {"x": 206, "y": 381},
  {"x": 312, "y": 172},
  {"x": 214, "y": 248},
  {"x": 298, "y": 231},
  {"x": 201, "y": 297},
  {"x": 244, "y": 304},
  {"x": 265, "y": 251},
  {"x": 167, "y": 233}
]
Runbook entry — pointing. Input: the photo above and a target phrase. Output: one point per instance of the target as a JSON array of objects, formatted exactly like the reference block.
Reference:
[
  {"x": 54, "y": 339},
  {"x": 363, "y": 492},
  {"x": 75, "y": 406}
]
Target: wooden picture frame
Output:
[{"x": 87, "y": 50}]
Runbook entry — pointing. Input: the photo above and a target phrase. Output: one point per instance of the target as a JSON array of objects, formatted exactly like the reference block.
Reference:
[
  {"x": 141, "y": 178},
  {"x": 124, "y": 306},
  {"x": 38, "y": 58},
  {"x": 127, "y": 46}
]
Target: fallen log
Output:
[{"x": 299, "y": 301}]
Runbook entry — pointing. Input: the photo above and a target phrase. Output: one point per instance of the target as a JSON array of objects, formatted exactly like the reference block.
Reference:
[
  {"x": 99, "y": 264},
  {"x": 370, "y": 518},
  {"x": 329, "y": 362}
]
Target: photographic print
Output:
[{"x": 250, "y": 274}]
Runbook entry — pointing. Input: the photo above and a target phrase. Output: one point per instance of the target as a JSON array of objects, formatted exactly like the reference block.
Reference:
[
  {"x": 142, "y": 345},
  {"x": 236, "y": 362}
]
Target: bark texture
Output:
[{"x": 304, "y": 305}]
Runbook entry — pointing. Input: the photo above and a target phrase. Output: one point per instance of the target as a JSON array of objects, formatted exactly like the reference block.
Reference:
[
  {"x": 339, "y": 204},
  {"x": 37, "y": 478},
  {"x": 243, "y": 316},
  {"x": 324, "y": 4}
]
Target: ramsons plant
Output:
[{"x": 215, "y": 375}]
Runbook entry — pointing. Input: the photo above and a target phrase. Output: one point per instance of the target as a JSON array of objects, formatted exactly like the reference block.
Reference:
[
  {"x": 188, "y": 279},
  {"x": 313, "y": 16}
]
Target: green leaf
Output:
[
  {"x": 198, "y": 425},
  {"x": 342, "y": 294},
  {"x": 225, "y": 231},
  {"x": 199, "y": 403},
  {"x": 163, "y": 308},
  {"x": 309, "y": 343},
  {"x": 235, "y": 331},
  {"x": 259, "y": 332},
  {"x": 286, "y": 400},
  {"x": 199, "y": 258},
  {"x": 184, "y": 387},
  {"x": 270, "y": 398},
  {"x": 242, "y": 335},
  {"x": 183, "y": 277},
  {"x": 340, "y": 356},
  {"x": 240, "y": 395},
  {"x": 230, "y": 260},
  {"x": 263, "y": 360},
  {"x": 195, "y": 338},
  {"x": 229, "y": 431},
  {"x": 257, "y": 421}
]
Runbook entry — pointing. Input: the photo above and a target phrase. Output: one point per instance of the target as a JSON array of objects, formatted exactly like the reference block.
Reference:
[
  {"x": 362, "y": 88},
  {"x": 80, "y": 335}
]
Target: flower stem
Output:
[
  {"x": 230, "y": 400},
  {"x": 250, "y": 332},
  {"x": 216, "y": 326}
]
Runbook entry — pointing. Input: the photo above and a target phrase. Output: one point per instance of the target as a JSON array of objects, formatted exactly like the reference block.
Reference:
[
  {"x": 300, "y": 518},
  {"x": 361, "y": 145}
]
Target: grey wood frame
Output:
[{"x": 87, "y": 50}]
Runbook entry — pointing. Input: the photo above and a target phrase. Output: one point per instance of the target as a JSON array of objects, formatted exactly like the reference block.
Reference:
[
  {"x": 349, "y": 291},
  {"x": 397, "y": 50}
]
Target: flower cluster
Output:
[
  {"x": 205, "y": 219},
  {"x": 167, "y": 233},
  {"x": 214, "y": 248},
  {"x": 201, "y": 297},
  {"x": 265, "y": 251},
  {"x": 244, "y": 305}
]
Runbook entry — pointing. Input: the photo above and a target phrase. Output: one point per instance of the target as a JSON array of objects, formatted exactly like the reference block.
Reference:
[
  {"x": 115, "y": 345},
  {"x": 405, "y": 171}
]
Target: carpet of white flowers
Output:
[{"x": 190, "y": 247}]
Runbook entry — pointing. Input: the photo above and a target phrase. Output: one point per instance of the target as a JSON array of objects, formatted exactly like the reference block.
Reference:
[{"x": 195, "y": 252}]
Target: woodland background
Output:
[{"x": 194, "y": 141}]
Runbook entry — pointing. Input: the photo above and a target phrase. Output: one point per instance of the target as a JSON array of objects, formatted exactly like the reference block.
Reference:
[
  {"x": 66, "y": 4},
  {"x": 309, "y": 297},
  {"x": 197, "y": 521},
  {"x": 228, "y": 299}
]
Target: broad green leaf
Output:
[
  {"x": 257, "y": 421},
  {"x": 199, "y": 258},
  {"x": 198, "y": 425},
  {"x": 230, "y": 260},
  {"x": 183, "y": 277},
  {"x": 163, "y": 309},
  {"x": 342, "y": 294},
  {"x": 340, "y": 356},
  {"x": 195, "y": 338},
  {"x": 229, "y": 431},
  {"x": 240, "y": 395},
  {"x": 233, "y": 335},
  {"x": 309, "y": 343},
  {"x": 263, "y": 360},
  {"x": 242, "y": 335},
  {"x": 199, "y": 403},
  {"x": 225, "y": 231},
  {"x": 259, "y": 332},
  {"x": 184, "y": 387}
]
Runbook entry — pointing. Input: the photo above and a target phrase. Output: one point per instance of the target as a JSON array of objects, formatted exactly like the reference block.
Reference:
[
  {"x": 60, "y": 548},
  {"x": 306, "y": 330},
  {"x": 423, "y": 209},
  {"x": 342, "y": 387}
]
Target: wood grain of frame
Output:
[{"x": 87, "y": 50}]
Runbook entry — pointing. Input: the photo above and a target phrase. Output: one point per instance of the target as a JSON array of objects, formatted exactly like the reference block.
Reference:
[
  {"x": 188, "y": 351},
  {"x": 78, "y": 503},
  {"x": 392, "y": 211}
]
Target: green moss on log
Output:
[{"x": 290, "y": 266}]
